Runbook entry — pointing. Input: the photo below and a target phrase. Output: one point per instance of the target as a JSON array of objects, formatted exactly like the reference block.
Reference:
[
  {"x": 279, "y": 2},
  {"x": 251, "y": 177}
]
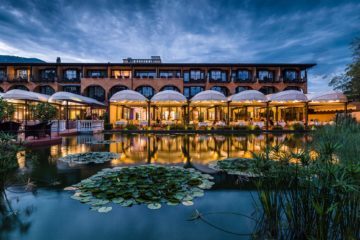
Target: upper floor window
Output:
[
  {"x": 265, "y": 75},
  {"x": 22, "y": 73},
  {"x": 2, "y": 73},
  {"x": 121, "y": 73},
  {"x": 242, "y": 88},
  {"x": 303, "y": 74},
  {"x": 71, "y": 89},
  {"x": 241, "y": 75},
  {"x": 217, "y": 75},
  {"x": 170, "y": 74},
  {"x": 145, "y": 74},
  {"x": 71, "y": 74},
  {"x": 97, "y": 73},
  {"x": 48, "y": 73},
  {"x": 197, "y": 75},
  {"x": 290, "y": 75},
  {"x": 147, "y": 91},
  {"x": 189, "y": 92}
]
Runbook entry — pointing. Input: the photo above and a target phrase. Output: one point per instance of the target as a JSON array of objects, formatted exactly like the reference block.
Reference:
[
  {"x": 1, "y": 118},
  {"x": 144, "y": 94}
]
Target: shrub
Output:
[
  {"x": 177, "y": 127},
  {"x": 254, "y": 128},
  {"x": 44, "y": 111},
  {"x": 297, "y": 127},
  {"x": 241, "y": 127},
  {"x": 190, "y": 127},
  {"x": 7, "y": 110},
  {"x": 108, "y": 126},
  {"x": 277, "y": 128},
  {"x": 131, "y": 127}
]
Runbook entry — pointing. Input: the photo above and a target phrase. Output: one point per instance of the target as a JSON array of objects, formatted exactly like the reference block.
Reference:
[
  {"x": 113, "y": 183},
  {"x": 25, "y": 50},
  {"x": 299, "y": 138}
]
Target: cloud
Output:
[{"x": 183, "y": 31}]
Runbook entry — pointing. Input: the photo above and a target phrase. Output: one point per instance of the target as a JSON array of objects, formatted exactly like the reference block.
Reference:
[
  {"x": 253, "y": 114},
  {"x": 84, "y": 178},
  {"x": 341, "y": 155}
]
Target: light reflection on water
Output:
[{"x": 178, "y": 149}]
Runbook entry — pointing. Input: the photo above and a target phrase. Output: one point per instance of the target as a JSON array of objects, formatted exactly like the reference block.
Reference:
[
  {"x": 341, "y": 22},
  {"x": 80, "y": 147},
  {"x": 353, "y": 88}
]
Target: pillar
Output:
[
  {"x": 148, "y": 117},
  {"x": 267, "y": 115},
  {"x": 228, "y": 114}
]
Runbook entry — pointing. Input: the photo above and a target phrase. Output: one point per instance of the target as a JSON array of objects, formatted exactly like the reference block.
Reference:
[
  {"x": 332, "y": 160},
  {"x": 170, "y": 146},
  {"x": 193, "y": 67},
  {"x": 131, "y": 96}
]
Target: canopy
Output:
[
  {"x": 62, "y": 97},
  {"x": 248, "y": 96},
  {"x": 288, "y": 96},
  {"x": 329, "y": 96},
  {"x": 169, "y": 97},
  {"x": 22, "y": 95},
  {"x": 208, "y": 97},
  {"x": 128, "y": 96}
]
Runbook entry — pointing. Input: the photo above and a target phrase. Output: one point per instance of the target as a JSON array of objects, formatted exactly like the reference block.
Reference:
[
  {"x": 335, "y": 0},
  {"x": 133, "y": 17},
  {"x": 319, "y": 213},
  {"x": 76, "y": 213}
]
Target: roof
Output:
[
  {"x": 248, "y": 96},
  {"x": 168, "y": 97},
  {"x": 194, "y": 65},
  {"x": 17, "y": 94},
  {"x": 128, "y": 96},
  {"x": 288, "y": 96},
  {"x": 328, "y": 96},
  {"x": 209, "y": 96},
  {"x": 73, "y": 98}
]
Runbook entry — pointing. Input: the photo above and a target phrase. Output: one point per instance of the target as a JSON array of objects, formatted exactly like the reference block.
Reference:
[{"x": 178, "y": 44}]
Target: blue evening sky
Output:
[{"x": 185, "y": 31}]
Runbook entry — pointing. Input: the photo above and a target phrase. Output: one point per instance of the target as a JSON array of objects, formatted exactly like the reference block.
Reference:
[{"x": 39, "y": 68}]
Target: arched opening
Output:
[
  {"x": 146, "y": 91},
  {"x": 293, "y": 88},
  {"x": 95, "y": 92},
  {"x": 223, "y": 90},
  {"x": 268, "y": 90},
  {"x": 116, "y": 89},
  {"x": 71, "y": 89},
  {"x": 242, "y": 88},
  {"x": 20, "y": 87},
  {"x": 47, "y": 90},
  {"x": 170, "y": 87}
]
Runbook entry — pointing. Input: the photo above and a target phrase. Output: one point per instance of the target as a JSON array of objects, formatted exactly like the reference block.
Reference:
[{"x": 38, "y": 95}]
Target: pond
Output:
[{"x": 50, "y": 213}]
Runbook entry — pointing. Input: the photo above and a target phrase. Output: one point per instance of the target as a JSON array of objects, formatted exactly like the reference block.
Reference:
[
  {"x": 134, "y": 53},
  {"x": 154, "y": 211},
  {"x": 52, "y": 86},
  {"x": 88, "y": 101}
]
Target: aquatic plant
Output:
[
  {"x": 235, "y": 166},
  {"x": 152, "y": 185},
  {"x": 89, "y": 157}
]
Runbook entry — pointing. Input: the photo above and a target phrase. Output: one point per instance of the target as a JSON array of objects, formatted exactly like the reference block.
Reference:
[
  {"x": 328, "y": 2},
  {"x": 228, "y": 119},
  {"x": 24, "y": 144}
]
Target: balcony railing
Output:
[
  {"x": 218, "y": 80},
  {"x": 44, "y": 79},
  {"x": 18, "y": 80},
  {"x": 69, "y": 80},
  {"x": 247, "y": 80},
  {"x": 296, "y": 80},
  {"x": 268, "y": 80}
]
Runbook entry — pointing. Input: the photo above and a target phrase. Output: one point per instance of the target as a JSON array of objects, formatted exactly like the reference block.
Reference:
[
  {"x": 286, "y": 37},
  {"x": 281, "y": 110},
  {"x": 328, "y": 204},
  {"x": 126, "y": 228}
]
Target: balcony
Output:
[
  {"x": 19, "y": 80},
  {"x": 218, "y": 80},
  {"x": 296, "y": 80},
  {"x": 247, "y": 80},
  {"x": 69, "y": 80},
  {"x": 267, "y": 80},
  {"x": 45, "y": 79}
]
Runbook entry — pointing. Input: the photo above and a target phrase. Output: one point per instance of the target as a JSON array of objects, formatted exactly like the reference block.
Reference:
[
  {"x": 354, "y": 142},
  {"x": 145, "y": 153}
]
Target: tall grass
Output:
[{"x": 307, "y": 197}]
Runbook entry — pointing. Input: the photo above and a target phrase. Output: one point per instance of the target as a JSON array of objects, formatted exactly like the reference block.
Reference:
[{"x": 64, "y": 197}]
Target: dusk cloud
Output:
[{"x": 184, "y": 31}]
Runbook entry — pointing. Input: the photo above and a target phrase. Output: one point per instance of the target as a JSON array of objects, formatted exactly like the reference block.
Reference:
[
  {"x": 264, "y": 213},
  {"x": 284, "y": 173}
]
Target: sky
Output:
[{"x": 239, "y": 31}]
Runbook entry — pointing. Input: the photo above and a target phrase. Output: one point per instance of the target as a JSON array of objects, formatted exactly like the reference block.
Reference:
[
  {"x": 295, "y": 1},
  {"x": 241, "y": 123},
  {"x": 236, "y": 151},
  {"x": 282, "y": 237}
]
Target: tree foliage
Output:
[
  {"x": 6, "y": 110},
  {"x": 349, "y": 82},
  {"x": 44, "y": 111}
]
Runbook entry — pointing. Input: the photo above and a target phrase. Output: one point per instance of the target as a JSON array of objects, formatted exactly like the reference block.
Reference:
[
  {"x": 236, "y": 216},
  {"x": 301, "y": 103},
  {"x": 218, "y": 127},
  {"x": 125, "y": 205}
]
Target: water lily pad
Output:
[
  {"x": 104, "y": 209},
  {"x": 235, "y": 166},
  {"x": 187, "y": 203},
  {"x": 89, "y": 157},
  {"x": 154, "y": 205},
  {"x": 152, "y": 185}
]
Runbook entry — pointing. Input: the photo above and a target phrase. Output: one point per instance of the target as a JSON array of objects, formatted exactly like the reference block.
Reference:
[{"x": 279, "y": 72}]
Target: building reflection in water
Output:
[{"x": 178, "y": 149}]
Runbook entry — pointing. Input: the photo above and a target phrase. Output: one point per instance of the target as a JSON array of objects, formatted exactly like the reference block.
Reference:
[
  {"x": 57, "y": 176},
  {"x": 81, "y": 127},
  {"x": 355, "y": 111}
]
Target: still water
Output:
[{"x": 50, "y": 213}]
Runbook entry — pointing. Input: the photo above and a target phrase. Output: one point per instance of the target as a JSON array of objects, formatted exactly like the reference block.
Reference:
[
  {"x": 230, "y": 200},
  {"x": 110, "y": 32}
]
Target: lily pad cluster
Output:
[
  {"x": 235, "y": 166},
  {"x": 152, "y": 185},
  {"x": 89, "y": 157}
]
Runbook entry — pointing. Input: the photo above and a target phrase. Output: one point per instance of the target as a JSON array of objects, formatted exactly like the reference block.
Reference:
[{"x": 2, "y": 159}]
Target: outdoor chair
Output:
[
  {"x": 10, "y": 127},
  {"x": 38, "y": 130}
]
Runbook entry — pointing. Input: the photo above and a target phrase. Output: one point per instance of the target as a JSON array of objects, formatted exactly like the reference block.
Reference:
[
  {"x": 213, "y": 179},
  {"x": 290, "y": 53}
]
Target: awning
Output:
[
  {"x": 168, "y": 97},
  {"x": 209, "y": 97},
  {"x": 129, "y": 97},
  {"x": 251, "y": 97},
  {"x": 63, "y": 97},
  {"x": 21, "y": 95}
]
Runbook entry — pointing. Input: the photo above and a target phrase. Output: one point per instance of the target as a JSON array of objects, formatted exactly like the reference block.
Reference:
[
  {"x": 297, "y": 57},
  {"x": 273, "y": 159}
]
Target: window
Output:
[
  {"x": 290, "y": 75},
  {"x": 48, "y": 74},
  {"x": 223, "y": 90},
  {"x": 242, "y": 88},
  {"x": 189, "y": 92},
  {"x": 71, "y": 74},
  {"x": 96, "y": 92},
  {"x": 197, "y": 75},
  {"x": 116, "y": 89},
  {"x": 72, "y": 89},
  {"x": 22, "y": 73},
  {"x": 47, "y": 90},
  {"x": 97, "y": 73},
  {"x": 217, "y": 75},
  {"x": 145, "y": 74},
  {"x": 265, "y": 75},
  {"x": 242, "y": 75},
  {"x": 303, "y": 74},
  {"x": 147, "y": 91},
  {"x": 268, "y": 90},
  {"x": 2, "y": 73},
  {"x": 186, "y": 76},
  {"x": 121, "y": 74},
  {"x": 170, "y": 74}
]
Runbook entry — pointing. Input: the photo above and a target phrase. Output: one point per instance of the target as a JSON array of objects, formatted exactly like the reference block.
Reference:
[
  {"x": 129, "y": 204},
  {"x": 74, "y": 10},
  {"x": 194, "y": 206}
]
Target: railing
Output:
[
  {"x": 90, "y": 125},
  {"x": 296, "y": 80}
]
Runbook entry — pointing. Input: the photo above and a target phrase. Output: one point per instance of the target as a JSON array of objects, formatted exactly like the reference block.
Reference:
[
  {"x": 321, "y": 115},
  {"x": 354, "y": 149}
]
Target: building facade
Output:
[{"x": 150, "y": 76}]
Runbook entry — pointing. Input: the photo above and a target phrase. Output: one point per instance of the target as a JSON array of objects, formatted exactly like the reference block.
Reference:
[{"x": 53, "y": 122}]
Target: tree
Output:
[
  {"x": 44, "y": 111},
  {"x": 349, "y": 82},
  {"x": 7, "y": 110}
]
